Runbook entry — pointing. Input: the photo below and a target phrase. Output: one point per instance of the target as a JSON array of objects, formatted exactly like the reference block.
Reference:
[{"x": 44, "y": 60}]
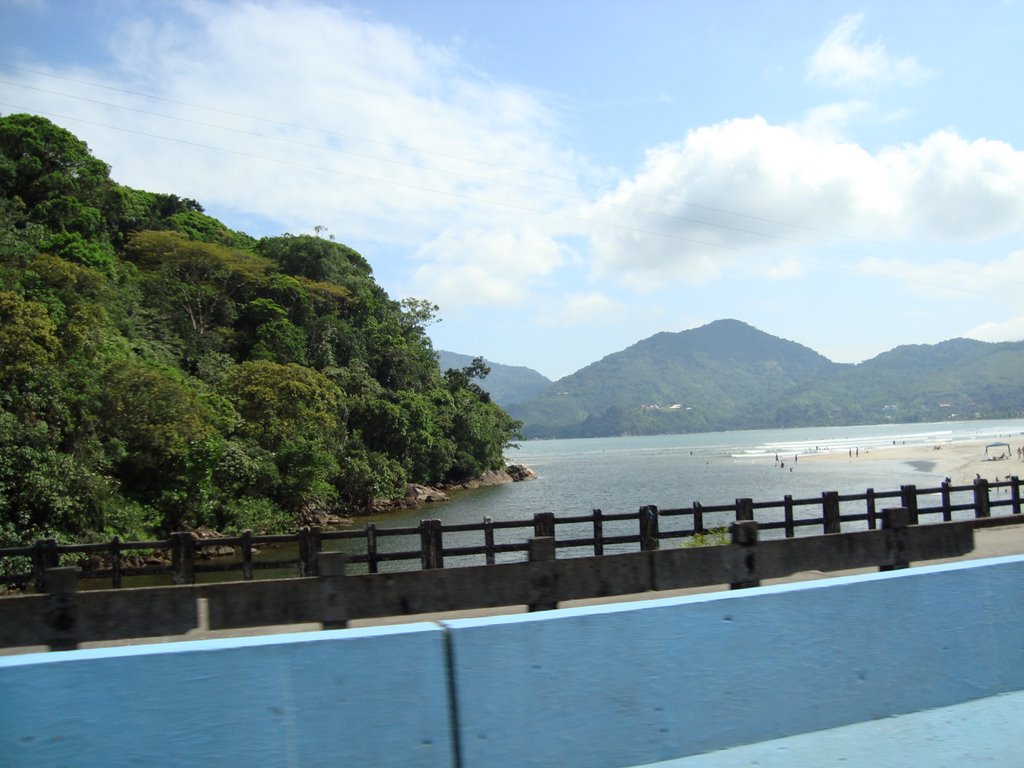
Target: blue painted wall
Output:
[
  {"x": 339, "y": 698},
  {"x": 827, "y": 669}
]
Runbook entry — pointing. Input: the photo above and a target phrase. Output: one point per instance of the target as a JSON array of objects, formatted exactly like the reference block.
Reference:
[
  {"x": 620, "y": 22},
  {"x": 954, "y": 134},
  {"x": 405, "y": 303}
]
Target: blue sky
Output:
[{"x": 567, "y": 178}]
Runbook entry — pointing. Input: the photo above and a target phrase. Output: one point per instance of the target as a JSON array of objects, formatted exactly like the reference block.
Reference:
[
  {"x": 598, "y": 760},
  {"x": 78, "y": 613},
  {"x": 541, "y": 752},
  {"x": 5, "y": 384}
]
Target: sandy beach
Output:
[{"x": 961, "y": 461}]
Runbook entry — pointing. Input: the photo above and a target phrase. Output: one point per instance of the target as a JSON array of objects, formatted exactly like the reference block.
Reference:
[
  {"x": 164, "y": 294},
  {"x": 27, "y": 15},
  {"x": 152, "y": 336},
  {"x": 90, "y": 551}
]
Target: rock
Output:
[{"x": 520, "y": 472}]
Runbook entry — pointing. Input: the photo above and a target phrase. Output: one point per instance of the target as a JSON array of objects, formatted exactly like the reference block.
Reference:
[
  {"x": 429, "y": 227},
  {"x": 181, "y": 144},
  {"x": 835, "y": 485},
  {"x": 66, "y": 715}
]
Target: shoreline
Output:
[{"x": 960, "y": 461}]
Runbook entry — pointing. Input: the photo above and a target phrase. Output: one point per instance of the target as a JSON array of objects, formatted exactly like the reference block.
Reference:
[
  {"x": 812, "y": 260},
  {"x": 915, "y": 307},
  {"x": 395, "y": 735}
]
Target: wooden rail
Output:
[
  {"x": 183, "y": 559},
  {"x": 64, "y": 617}
]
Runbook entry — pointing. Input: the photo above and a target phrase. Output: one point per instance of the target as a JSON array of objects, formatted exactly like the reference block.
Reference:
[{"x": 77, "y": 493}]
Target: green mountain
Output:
[
  {"x": 160, "y": 371},
  {"x": 506, "y": 384},
  {"x": 729, "y": 375}
]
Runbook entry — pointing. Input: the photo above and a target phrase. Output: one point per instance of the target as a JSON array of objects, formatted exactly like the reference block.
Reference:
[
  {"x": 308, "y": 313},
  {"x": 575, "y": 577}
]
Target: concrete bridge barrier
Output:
[{"x": 919, "y": 667}]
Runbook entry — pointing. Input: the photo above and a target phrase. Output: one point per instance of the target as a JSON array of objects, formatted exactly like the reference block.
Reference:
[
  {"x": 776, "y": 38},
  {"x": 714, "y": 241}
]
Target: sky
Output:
[{"x": 564, "y": 178}]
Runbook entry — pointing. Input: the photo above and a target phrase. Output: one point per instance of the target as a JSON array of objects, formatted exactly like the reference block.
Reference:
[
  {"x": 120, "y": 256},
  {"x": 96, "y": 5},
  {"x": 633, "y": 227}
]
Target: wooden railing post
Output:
[
  {"x": 981, "y": 502},
  {"x": 371, "y": 547},
  {"x": 488, "y": 541},
  {"x": 744, "y": 534},
  {"x": 872, "y": 511},
  {"x": 247, "y": 555},
  {"x": 830, "y": 512},
  {"x": 649, "y": 528},
  {"x": 787, "y": 511},
  {"x": 698, "y": 518},
  {"x": 896, "y": 519},
  {"x": 544, "y": 524},
  {"x": 115, "y": 562},
  {"x": 44, "y": 557},
  {"x": 947, "y": 506},
  {"x": 62, "y": 611},
  {"x": 330, "y": 568},
  {"x": 541, "y": 550},
  {"x": 431, "y": 545},
  {"x": 598, "y": 532},
  {"x": 183, "y": 558},
  {"x": 744, "y": 510},
  {"x": 1014, "y": 495},
  {"x": 309, "y": 548},
  {"x": 908, "y": 499}
]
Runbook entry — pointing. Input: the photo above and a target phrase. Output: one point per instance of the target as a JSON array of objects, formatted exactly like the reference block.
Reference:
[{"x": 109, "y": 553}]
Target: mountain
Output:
[
  {"x": 730, "y": 375},
  {"x": 506, "y": 384}
]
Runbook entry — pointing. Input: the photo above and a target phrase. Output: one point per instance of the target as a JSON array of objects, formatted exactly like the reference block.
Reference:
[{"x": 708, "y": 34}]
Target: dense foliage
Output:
[
  {"x": 728, "y": 375},
  {"x": 159, "y": 370}
]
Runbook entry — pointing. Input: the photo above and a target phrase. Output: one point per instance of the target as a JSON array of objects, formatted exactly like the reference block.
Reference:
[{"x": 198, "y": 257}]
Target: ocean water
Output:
[{"x": 621, "y": 474}]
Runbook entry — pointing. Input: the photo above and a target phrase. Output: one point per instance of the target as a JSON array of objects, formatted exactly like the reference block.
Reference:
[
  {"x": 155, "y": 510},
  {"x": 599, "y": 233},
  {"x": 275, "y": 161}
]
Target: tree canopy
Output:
[{"x": 159, "y": 370}]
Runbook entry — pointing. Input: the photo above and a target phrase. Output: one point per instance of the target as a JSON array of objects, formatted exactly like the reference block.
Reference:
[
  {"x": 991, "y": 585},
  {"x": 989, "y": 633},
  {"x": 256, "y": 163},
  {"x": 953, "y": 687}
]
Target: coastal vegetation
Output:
[{"x": 159, "y": 370}]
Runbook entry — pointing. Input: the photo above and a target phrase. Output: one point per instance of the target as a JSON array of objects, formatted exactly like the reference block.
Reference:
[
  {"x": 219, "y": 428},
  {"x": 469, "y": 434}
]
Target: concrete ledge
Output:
[
  {"x": 985, "y": 732},
  {"x": 621, "y": 685},
  {"x": 354, "y": 697},
  {"x": 805, "y": 673}
]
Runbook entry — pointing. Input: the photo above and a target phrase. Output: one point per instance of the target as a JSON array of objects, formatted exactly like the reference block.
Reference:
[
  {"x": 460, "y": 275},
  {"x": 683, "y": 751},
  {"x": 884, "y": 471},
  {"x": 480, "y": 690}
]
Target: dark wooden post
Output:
[
  {"x": 541, "y": 550},
  {"x": 830, "y": 512},
  {"x": 744, "y": 535},
  {"x": 947, "y": 506},
  {"x": 431, "y": 545},
  {"x": 489, "y": 541},
  {"x": 44, "y": 556},
  {"x": 247, "y": 555},
  {"x": 309, "y": 548},
  {"x": 981, "y": 504},
  {"x": 544, "y": 524},
  {"x": 115, "y": 562},
  {"x": 330, "y": 568},
  {"x": 787, "y": 506},
  {"x": 872, "y": 512},
  {"x": 598, "y": 532},
  {"x": 183, "y": 558},
  {"x": 649, "y": 528},
  {"x": 698, "y": 518},
  {"x": 371, "y": 547},
  {"x": 1014, "y": 495},
  {"x": 62, "y": 610},
  {"x": 908, "y": 499},
  {"x": 744, "y": 510},
  {"x": 896, "y": 520}
]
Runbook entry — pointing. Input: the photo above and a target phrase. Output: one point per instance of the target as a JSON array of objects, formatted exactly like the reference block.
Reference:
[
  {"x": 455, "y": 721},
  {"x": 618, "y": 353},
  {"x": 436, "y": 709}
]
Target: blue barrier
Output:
[
  {"x": 829, "y": 668},
  {"x": 344, "y": 697}
]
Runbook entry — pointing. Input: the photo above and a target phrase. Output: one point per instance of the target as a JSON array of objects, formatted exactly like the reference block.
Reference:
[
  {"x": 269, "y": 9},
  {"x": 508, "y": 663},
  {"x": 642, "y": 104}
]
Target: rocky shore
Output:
[{"x": 417, "y": 495}]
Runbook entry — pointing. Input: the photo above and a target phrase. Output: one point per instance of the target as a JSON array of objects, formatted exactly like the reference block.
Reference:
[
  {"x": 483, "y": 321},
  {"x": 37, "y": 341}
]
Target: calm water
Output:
[{"x": 621, "y": 474}]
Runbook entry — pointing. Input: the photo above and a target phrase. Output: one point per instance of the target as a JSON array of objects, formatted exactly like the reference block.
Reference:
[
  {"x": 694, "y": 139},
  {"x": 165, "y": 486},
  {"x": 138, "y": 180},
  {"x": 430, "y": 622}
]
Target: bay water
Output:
[{"x": 621, "y": 474}]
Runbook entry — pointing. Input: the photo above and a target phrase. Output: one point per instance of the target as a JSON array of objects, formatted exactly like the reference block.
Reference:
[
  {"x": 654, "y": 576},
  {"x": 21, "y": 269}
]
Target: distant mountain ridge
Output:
[
  {"x": 730, "y": 375},
  {"x": 506, "y": 384}
]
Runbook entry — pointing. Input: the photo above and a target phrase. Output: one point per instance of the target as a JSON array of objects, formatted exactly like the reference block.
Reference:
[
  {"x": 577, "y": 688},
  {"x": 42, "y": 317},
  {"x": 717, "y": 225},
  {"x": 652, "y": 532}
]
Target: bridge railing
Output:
[
  {"x": 183, "y": 558},
  {"x": 65, "y": 617}
]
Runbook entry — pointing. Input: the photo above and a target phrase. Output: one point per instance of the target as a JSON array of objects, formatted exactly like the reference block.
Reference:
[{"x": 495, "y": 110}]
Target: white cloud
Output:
[
  {"x": 800, "y": 190},
  {"x": 584, "y": 309},
  {"x": 1011, "y": 329},
  {"x": 307, "y": 114},
  {"x": 485, "y": 267},
  {"x": 842, "y": 60}
]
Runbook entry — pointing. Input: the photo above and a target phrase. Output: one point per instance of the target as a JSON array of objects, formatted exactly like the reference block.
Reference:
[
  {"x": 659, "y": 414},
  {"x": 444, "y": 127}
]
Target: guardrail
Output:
[
  {"x": 64, "y": 617},
  {"x": 183, "y": 558}
]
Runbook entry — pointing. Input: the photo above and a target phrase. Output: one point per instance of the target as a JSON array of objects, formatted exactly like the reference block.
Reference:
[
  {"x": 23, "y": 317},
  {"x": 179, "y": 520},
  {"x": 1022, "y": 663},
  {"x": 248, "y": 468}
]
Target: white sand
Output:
[{"x": 961, "y": 462}]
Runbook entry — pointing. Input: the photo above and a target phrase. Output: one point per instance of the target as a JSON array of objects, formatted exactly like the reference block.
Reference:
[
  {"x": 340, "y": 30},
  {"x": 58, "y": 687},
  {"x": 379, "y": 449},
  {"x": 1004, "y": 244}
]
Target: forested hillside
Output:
[
  {"x": 729, "y": 375},
  {"x": 506, "y": 384},
  {"x": 159, "y": 370}
]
